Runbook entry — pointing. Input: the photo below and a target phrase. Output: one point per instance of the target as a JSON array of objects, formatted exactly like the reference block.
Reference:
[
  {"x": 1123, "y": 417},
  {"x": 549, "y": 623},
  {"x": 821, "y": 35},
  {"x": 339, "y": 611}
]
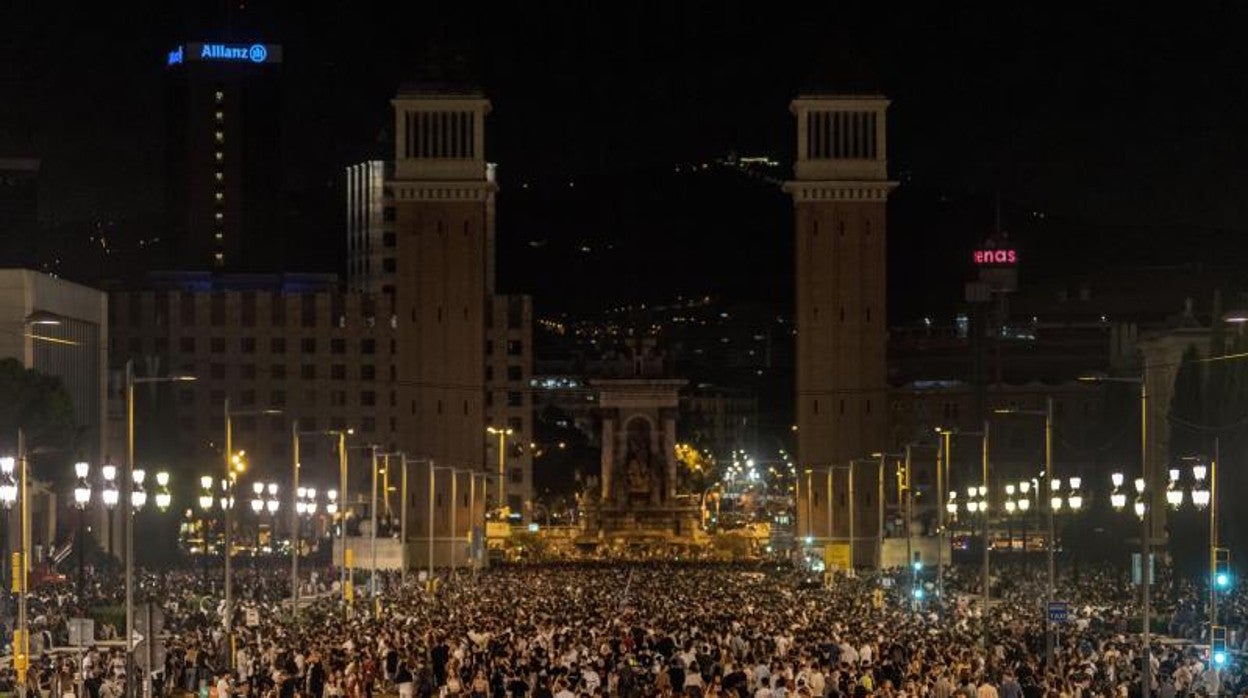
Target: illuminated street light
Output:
[{"x": 163, "y": 497}]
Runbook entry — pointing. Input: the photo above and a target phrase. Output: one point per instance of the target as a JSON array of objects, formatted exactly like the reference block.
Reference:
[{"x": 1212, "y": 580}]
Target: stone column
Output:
[
  {"x": 669, "y": 451},
  {"x": 608, "y": 457}
]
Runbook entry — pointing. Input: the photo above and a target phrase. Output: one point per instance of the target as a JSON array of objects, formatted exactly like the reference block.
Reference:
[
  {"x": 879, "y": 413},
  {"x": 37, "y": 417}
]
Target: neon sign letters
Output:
[
  {"x": 987, "y": 257},
  {"x": 226, "y": 53}
]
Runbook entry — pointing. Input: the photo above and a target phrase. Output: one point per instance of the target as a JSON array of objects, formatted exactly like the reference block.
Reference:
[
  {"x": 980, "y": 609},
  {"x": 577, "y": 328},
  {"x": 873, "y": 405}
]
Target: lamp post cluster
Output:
[
  {"x": 306, "y": 503},
  {"x": 110, "y": 496}
]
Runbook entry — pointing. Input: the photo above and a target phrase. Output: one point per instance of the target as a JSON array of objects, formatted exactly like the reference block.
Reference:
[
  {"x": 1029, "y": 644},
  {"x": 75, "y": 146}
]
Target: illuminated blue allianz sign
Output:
[{"x": 225, "y": 53}]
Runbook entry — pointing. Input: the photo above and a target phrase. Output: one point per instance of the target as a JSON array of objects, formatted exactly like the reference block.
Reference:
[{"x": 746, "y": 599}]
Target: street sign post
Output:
[{"x": 81, "y": 632}]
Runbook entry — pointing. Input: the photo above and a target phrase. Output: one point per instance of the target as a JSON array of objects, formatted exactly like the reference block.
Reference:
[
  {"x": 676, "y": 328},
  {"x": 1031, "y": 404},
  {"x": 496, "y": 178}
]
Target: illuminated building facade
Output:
[{"x": 223, "y": 121}]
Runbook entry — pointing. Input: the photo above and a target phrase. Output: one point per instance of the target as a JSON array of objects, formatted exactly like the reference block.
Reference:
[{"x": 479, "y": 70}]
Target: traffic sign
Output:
[
  {"x": 1059, "y": 611},
  {"x": 81, "y": 632},
  {"x": 253, "y": 617}
]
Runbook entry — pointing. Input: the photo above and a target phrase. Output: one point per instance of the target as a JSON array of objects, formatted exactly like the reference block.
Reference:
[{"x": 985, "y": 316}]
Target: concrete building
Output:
[
  {"x": 371, "y": 243},
  {"x": 840, "y": 191},
  {"x": 73, "y": 349},
  {"x": 509, "y": 399},
  {"x": 291, "y": 342},
  {"x": 723, "y": 420},
  {"x": 61, "y": 329}
]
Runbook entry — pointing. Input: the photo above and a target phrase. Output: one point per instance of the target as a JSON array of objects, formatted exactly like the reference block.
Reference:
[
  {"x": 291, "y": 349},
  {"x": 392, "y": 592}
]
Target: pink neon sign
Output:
[{"x": 996, "y": 257}]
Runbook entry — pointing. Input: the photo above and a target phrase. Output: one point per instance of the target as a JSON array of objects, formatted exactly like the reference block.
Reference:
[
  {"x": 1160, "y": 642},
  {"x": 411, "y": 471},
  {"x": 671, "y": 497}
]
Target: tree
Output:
[{"x": 38, "y": 404}]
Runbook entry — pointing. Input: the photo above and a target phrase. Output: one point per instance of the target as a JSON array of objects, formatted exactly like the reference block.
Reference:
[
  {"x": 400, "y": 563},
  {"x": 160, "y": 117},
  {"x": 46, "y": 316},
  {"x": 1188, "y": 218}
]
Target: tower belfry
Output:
[
  {"x": 443, "y": 193},
  {"x": 840, "y": 190}
]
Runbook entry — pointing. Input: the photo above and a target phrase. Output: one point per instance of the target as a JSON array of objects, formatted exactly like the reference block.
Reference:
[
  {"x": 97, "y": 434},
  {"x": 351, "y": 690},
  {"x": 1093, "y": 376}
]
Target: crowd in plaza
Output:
[{"x": 634, "y": 631}]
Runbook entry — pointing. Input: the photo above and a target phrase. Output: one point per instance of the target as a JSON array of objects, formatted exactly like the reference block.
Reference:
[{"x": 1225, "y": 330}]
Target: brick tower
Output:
[{"x": 840, "y": 191}]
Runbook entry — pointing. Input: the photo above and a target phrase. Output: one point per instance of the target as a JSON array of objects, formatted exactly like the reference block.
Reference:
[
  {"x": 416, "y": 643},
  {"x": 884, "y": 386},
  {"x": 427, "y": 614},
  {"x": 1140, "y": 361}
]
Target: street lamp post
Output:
[
  {"x": 82, "y": 495},
  {"x": 1050, "y": 587},
  {"x": 206, "y": 501},
  {"x": 502, "y": 433},
  {"x": 341, "y": 505},
  {"x": 1203, "y": 494},
  {"x": 111, "y": 494},
  {"x": 230, "y": 464},
  {"x": 987, "y": 580},
  {"x": 1145, "y": 514},
  {"x": 128, "y": 493}
]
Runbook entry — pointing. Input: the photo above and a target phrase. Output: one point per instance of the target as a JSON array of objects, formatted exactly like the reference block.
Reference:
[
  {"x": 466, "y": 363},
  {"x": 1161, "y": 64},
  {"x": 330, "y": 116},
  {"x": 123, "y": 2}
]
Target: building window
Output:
[
  {"x": 277, "y": 345},
  {"x": 489, "y": 373},
  {"x": 216, "y": 308},
  {"x": 489, "y": 347},
  {"x": 388, "y": 265},
  {"x": 368, "y": 398},
  {"x": 515, "y": 312},
  {"x": 278, "y": 307},
  {"x": 248, "y": 345},
  {"x": 247, "y": 398},
  {"x": 387, "y": 214},
  {"x": 368, "y": 425},
  {"x": 338, "y": 346},
  {"x": 368, "y": 346},
  {"x": 247, "y": 372},
  {"x": 515, "y": 398},
  {"x": 307, "y": 310},
  {"x": 387, "y": 239},
  {"x": 338, "y": 372},
  {"x": 307, "y": 371},
  {"x": 337, "y": 398},
  {"x": 277, "y": 398},
  {"x": 309, "y": 398},
  {"x": 515, "y": 373},
  {"x": 368, "y": 372},
  {"x": 517, "y": 475},
  {"x": 516, "y": 424},
  {"x": 217, "y": 345},
  {"x": 277, "y": 372},
  {"x": 217, "y": 371},
  {"x": 186, "y": 345},
  {"x": 307, "y": 345},
  {"x": 515, "y": 347}
]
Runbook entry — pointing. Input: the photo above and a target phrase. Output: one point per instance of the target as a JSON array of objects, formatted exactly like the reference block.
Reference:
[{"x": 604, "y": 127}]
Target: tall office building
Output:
[
  {"x": 370, "y": 229},
  {"x": 223, "y": 121},
  {"x": 840, "y": 191}
]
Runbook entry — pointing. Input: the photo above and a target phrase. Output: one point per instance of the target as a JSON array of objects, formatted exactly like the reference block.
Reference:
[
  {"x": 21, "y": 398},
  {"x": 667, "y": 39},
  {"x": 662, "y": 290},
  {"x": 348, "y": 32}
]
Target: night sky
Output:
[{"x": 1108, "y": 127}]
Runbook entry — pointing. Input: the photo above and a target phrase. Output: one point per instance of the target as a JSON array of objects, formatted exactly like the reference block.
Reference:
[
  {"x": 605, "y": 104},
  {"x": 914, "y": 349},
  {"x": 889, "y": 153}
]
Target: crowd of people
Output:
[{"x": 634, "y": 631}]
